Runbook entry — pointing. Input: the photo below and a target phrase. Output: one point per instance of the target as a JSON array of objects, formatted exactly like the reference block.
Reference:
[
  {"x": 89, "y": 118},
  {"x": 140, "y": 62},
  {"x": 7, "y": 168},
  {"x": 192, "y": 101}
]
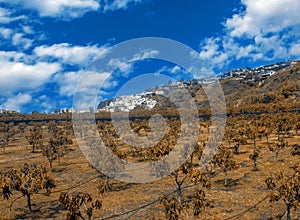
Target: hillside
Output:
[
  {"x": 281, "y": 90},
  {"x": 244, "y": 88}
]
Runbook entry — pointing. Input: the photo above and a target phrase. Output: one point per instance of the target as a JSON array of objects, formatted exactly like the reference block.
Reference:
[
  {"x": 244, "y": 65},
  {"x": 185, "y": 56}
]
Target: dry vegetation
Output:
[{"x": 254, "y": 175}]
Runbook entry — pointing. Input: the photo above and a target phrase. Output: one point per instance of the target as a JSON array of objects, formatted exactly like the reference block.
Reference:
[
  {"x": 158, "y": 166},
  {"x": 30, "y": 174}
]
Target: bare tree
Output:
[
  {"x": 35, "y": 136},
  {"x": 28, "y": 180},
  {"x": 224, "y": 160},
  {"x": 286, "y": 188},
  {"x": 76, "y": 202},
  {"x": 254, "y": 157}
]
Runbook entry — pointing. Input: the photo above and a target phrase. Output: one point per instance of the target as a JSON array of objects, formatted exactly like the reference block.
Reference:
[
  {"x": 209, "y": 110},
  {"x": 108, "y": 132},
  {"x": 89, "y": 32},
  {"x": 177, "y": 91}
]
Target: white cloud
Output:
[
  {"x": 126, "y": 64},
  {"x": 19, "y": 77},
  {"x": 86, "y": 89},
  {"x": 67, "y": 82},
  {"x": 144, "y": 54},
  {"x": 16, "y": 102},
  {"x": 27, "y": 29},
  {"x": 65, "y": 9},
  {"x": 175, "y": 72},
  {"x": 18, "y": 35},
  {"x": 6, "y": 16},
  {"x": 13, "y": 56},
  {"x": 93, "y": 81},
  {"x": 264, "y": 16},
  {"x": 175, "y": 69},
  {"x": 123, "y": 65},
  {"x": 295, "y": 49},
  {"x": 265, "y": 30},
  {"x": 22, "y": 73},
  {"x": 5, "y": 33},
  {"x": 211, "y": 49},
  {"x": 19, "y": 40},
  {"x": 45, "y": 102},
  {"x": 69, "y": 54},
  {"x": 119, "y": 4}
]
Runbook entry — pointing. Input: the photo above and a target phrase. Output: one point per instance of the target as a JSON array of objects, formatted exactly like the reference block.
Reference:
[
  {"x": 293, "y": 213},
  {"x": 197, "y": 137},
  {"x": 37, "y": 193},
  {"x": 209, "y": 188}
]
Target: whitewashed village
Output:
[{"x": 128, "y": 103}]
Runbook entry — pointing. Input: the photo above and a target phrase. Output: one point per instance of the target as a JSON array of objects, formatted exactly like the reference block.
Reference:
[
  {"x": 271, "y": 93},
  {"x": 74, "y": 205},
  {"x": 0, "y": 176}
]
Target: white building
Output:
[{"x": 127, "y": 103}]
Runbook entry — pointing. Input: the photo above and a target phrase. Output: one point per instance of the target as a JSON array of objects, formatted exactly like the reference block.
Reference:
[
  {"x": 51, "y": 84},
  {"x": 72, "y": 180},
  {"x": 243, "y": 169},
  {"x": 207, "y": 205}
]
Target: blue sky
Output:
[{"x": 44, "y": 45}]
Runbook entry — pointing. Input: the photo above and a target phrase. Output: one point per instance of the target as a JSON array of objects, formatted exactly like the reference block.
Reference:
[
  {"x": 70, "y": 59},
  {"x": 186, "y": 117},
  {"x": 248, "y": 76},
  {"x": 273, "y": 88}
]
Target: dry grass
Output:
[{"x": 246, "y": 188}]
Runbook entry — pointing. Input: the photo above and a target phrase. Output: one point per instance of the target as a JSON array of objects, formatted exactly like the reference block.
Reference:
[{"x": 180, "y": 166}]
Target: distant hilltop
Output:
[
  {"x": 258, "y": 72},
  {"x": 147, "y": 100},
  {"x": 8, "y": 112}
]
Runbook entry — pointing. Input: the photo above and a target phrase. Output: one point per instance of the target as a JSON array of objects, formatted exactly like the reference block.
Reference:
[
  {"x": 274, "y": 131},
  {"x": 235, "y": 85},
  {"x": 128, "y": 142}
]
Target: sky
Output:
[{"x": 45, "y": 46}]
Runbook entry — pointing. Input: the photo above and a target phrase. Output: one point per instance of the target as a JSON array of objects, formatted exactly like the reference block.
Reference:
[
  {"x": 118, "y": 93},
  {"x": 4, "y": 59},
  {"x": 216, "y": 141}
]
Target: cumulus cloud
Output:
[
  {"x": 86, "y": 89},
  {"x": 45, "y": 102},
  {"x": 263, "y": 17},
  {"x": 5, "y": 33},
  {"x": 17, "y": 76},
  {"x": 68, "y": 9},
  {"x": 28, "y": 29},
  {"x": 4, "y": 16},
  {"x": 16, "y": 102},
  {"x": 7, "y": 17},
  {"x": 67, "y": 82},
  {"x": 89, "y": 87},
  {"x": 18, "y": 35},
  {"x": 68, "y": 54},
  {"x": 212, "y": 50},
  {"x": 65, "y": 9},
  {"x": 13, "y": 56},
  {"x": 265, "y": 30},
  {"x": 88, "y": 84},
  {"x": 21, "y": 73},
  {"x": 295, "y": 49},
  {"x": 119, "y": 4},
  {"x": 19, "y": 40},
  {"x": 175, "y": 72},
  {"x": 126, "y": 64},
  {"x": 22, "y": 77},
  {"x": 145, "y": 54}
]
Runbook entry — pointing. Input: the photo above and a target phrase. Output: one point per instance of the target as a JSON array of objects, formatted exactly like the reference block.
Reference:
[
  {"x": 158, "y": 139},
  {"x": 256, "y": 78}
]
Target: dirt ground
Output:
[{"x": 244, "y": 198}]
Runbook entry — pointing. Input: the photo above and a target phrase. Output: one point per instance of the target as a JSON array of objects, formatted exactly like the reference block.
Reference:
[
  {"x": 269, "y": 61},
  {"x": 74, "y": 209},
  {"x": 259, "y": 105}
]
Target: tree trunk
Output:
[
  {"x": 288, "y": 212},
  {"x": 255, "y": 165},
  {"x": 58, "y": 159},
  {"x": 89, "y": 216},
  {"x": 206, "y": 169},
  {"x": 28, "y": 202},
  {"x": 179, "y": 193},
  {"x": 225, "y": 178},
  {"x": 178, "y": 186},
  {"x": 50, "y": 162},
  {"x": 106, "y": 184},
  {"x": 237, "y": 149}
]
